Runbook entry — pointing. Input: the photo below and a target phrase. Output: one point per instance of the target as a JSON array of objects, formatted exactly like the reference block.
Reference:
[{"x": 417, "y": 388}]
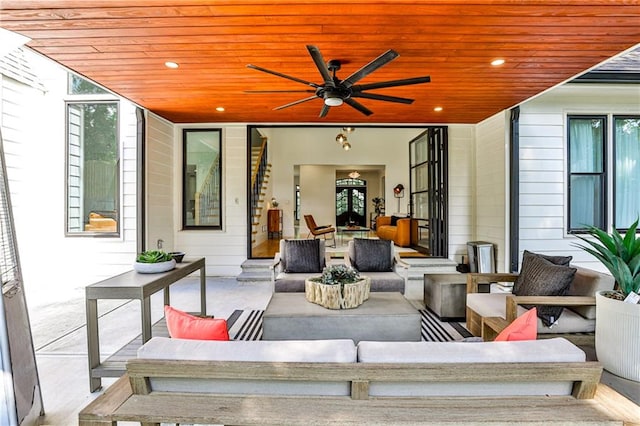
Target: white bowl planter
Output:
[
  {"x": 617, "y": 336},
  {"x": 154, "y": 268}
]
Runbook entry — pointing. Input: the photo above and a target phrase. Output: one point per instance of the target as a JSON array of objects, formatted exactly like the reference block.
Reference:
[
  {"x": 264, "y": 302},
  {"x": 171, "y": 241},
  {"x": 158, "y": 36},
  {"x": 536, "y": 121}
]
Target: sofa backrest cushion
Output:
[
  {"x": 588, "y": 282},
  {"x": 369, "y": 255},
  {"x": 525, "y": 351},
  {"x": 299, "y": 256},
  {"x": 342, "y": 351}
]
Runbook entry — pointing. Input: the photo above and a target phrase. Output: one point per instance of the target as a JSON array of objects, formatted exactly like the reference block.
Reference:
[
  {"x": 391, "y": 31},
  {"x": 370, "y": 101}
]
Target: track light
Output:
[
  {"x": 341, "y": 138},
  {"x": 346, "y": 146},
  {"x": 348, "y": 129}
]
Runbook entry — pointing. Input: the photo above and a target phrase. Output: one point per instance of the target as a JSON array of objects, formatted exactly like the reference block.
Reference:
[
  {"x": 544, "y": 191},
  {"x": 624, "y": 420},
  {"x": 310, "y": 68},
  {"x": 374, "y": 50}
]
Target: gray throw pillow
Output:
[
  {"x": 526, "y": 257},
  {"x": 372, "y": 255},
  {"x": 540, "y": 277},
  {"x": 302, "y": 256}
]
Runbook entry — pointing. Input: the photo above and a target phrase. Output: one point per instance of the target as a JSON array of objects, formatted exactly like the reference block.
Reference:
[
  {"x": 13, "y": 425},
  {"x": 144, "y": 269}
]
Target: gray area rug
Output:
[{"x": 247, "y": 325}]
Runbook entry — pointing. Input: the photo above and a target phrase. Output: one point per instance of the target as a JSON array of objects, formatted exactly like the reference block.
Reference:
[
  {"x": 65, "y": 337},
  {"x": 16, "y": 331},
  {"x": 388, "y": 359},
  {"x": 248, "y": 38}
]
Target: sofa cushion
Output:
[
  {"x": 302, "y": 256},
  {"x": 539, "y": 276},
  {"x": 182, "y": 325},
  {"x": 368, "y": 255},
  {"x": 525, "y": 327},
  {"x": 586, "y": 283},
  {"x": 545, "y": 350},
  {"x": 343, "y": 351},
  {"x": 494, "y": 305}
]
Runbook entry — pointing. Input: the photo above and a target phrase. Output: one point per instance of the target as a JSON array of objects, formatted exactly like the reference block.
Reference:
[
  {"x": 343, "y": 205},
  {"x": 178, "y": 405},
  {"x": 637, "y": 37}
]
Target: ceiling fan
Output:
[{"x": 335, "y": 92}]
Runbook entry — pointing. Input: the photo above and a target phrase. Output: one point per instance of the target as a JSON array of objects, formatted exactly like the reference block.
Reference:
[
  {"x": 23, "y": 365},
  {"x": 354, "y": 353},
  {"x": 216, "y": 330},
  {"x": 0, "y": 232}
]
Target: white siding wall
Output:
[
  {"x": 491, "y": 194},
  {"x": 543, "y": 197},
  {"x": 226, "y": 249},
  {"x": 33, "y": 128},
  {"x": 161, "y": 161},
  {"x": 461, "y": 189}
]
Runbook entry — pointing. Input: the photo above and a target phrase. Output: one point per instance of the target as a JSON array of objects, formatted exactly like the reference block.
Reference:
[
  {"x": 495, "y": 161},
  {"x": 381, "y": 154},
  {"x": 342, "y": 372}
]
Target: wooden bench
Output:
[{"x": 131, "y": 399}]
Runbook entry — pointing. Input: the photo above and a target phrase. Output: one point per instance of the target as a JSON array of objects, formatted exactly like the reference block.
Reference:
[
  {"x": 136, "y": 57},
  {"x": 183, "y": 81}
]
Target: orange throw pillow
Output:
[
  {"x": 525, "y": 327},
  {"x": 182, "y": 325}
]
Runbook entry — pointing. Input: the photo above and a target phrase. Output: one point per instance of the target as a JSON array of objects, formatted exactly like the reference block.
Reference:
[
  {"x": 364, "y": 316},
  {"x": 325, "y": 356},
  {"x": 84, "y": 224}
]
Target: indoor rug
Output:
[{"x": 247, "y": 325}]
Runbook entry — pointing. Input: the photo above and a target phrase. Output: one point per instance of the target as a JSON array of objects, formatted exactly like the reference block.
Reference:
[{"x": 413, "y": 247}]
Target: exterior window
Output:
[
  {"x": 626, "y": 136},
  {"x": 93, "y": 168},
  {"x": 587, "y": 177},
  {"x": 202, "y": 189}
]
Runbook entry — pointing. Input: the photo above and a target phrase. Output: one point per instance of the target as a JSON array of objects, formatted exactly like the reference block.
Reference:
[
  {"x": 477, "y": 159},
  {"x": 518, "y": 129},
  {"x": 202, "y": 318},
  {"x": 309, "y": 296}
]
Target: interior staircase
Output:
[{"x": 260, "y": 173}]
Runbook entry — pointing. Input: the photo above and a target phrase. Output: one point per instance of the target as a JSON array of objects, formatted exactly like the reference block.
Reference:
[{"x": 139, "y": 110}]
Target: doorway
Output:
[{"x": 351, "y": 206}]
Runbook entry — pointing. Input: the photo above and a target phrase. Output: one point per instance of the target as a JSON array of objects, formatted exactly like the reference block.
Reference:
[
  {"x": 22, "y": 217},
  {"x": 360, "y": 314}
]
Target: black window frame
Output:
[
  {"x": 185, "y": 132},
  {"x": 603, "y": 174},
  {"x": 614, "y": 173}
]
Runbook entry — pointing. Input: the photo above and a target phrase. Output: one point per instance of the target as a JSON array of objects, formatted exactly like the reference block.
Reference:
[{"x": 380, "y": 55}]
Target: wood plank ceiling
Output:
[{"x": 123, "y": 45}]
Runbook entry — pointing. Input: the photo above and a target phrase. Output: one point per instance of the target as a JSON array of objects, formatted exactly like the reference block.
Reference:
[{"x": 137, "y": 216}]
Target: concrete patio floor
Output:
[{"x": 60, "y": 340}]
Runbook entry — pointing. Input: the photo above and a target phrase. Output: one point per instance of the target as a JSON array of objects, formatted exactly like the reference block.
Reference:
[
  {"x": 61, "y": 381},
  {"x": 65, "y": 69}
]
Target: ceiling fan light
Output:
[{"x": 328, "y": 101}]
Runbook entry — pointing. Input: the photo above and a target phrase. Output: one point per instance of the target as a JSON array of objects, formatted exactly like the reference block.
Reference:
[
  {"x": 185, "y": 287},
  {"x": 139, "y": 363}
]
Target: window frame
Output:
[
  {"x": 614, "y": 173},
  {"x": 604, "y": 174},
  {"x": 185, "y": 226},
  {"x": 83, "y": 100}
]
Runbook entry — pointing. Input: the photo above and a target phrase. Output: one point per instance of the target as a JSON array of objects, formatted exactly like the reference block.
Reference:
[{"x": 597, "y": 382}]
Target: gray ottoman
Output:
[
  {"x": 446, "y": 295},
  {"x": 386, "y": 316}
]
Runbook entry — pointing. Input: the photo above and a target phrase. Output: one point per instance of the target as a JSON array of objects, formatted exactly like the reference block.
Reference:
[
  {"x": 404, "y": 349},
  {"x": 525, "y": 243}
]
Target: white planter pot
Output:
[
  {"x": 154, "y": 268},
  {"x": 618, "y": 337}
]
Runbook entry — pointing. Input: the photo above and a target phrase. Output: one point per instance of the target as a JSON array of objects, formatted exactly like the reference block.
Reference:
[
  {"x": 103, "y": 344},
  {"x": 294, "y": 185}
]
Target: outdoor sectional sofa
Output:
[{"x": 337, "y": 382}]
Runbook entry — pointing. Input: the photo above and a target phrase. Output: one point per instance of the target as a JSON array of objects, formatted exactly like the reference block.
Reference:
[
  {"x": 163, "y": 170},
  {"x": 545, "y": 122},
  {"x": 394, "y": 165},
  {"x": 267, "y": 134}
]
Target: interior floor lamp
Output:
[{"x": 398, "y": 192}]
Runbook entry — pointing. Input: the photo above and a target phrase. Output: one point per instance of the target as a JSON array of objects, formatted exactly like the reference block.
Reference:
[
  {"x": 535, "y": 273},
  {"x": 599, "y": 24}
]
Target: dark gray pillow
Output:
[
  {"x": 372, "y": 255},
  {"x": 526, "y": 257},
  {"x": 302, "y": 256},
  {"x": 540, "y": 277}
]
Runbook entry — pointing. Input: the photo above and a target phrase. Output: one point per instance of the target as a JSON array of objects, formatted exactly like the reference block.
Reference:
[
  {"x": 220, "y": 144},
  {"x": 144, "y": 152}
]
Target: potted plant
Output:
[
  {"x": 378, "y": 204},
  {"x": 154, "y": 261},
  {"x": 617, "y": 311},
  {"x": 339, "y": 287}
]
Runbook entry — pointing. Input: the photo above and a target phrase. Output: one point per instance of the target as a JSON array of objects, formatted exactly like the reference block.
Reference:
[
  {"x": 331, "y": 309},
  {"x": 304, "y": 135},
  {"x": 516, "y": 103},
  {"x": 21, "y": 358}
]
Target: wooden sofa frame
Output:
[
  {"x": 489, "y": 327},
  {"x": 130, "y": 398}
]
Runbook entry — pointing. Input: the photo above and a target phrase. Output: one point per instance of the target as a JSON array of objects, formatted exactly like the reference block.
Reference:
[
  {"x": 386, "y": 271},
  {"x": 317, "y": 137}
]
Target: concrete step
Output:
[{"x": 255, "y": 270}]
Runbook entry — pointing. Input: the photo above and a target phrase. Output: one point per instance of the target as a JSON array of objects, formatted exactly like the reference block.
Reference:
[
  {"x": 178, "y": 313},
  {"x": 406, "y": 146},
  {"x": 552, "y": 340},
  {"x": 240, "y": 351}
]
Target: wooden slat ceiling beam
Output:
[{"x": 123, "y": 46}]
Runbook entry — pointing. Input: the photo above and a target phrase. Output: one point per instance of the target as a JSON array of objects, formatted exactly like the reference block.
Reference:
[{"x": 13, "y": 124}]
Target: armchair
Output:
[
  {"x": 489, "y": 313},
  {"x": 377, "y": 260},
  {"x": 296, "y": 261}
]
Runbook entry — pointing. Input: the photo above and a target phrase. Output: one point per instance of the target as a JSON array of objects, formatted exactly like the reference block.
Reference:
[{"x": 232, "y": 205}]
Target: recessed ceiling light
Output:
[
  {"x": 497, "y": 62},
  {"x": 172, "y": 65},
  {"x": 220, "y": 109},
  {"x": 438, "y": 109}
]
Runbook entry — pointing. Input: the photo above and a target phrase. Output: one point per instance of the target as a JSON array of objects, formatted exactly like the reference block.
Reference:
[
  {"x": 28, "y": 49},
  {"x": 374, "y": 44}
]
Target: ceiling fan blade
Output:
[
  {"x": 381, "y": 60},
  {"x": 392, "y": 83},
  {"x": 288, "y": 77},
  {"x": 357, "y": 105},
  {"x": 382, "y": 97},
  {"x": 310, "y": 98},
  {"x": 278, "y": 91},
  {"x": 324, "y": 110},
  {"x": 321, "y": 65}
]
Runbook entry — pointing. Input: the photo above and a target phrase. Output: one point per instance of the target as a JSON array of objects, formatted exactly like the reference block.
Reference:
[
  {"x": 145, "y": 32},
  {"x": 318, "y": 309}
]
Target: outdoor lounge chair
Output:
[
  {"x": 377, "y": 260},
  {"x": 292, "y": 265}
]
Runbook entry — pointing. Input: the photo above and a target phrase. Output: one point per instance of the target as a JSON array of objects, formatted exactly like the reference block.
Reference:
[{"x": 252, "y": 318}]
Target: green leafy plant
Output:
[
  {"x": 378, "y": 204},
  {"x": 338, "y": 274},
  {"x": 153, "y": 256},
  {"x": 620, "y": 255}
]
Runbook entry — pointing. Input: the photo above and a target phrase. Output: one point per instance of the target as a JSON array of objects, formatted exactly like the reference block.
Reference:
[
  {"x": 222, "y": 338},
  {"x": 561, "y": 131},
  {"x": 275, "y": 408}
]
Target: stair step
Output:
[{"x": 246, "y": 276}]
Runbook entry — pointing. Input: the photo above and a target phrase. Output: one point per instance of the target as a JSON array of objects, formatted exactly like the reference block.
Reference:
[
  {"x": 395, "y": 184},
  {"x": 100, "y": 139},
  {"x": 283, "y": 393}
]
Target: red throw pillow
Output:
[
  {"x": 182, "y": 325},
  {"x": 525, "y": 327}
]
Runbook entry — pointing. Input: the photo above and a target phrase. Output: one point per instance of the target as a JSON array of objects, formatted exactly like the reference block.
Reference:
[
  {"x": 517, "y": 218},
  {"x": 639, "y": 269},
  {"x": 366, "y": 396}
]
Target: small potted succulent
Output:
[
  {"x": 154, "y": 261},
  {"x": 617, "y": 311},
  {"x": 339, "y": 287}
]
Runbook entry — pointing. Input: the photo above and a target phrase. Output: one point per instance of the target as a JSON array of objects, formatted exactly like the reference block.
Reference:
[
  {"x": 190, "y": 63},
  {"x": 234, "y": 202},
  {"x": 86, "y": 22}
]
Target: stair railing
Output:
[
  {"x": 258, "y": 175},
  {"x": 208, "y": 197}
]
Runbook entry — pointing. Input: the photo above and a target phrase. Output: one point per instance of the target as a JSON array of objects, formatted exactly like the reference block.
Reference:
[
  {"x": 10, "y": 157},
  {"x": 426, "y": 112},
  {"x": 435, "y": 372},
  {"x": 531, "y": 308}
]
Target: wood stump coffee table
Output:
[{"x": 386, "y": 316}]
